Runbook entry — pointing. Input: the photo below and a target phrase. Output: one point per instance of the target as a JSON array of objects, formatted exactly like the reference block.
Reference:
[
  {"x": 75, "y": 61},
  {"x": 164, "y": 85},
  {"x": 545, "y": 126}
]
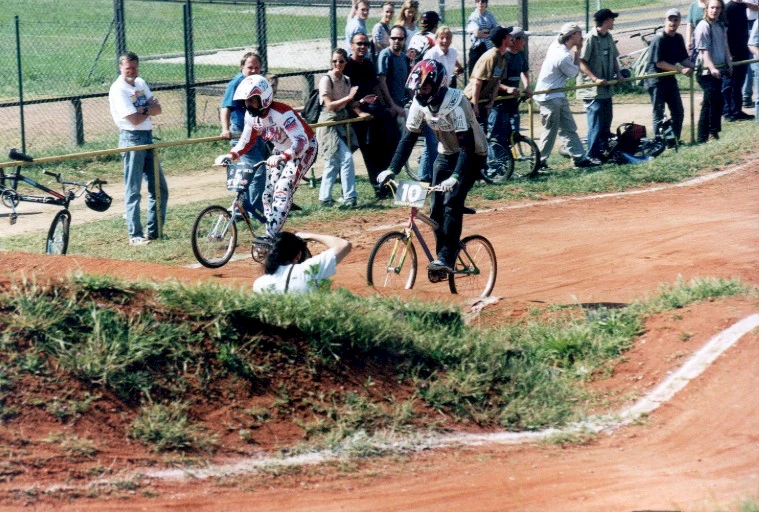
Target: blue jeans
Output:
[
  {"x": 138, "y": 165},
  {"x": 429, "y": 154},
  {"x": 755, "y": 68},
  {"x": 499, "y": 126},
  {"x": 342, "y": 160},
  {"x": 600, "y": 113},
  {"x": 732, "y": 85},
  {"x": 253, "y": 203}
]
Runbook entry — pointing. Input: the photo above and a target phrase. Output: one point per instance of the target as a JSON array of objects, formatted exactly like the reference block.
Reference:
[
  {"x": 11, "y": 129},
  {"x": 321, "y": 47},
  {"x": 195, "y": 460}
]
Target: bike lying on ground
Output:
[
  {"x": 58, "y": 235},
  {"x": 214, "y": 232},
  {"x": 393, "y": 261}
]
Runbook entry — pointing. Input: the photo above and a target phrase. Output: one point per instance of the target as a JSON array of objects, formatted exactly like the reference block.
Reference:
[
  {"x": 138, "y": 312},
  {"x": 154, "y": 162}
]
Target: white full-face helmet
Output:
[{"x": 255, "y": 85}]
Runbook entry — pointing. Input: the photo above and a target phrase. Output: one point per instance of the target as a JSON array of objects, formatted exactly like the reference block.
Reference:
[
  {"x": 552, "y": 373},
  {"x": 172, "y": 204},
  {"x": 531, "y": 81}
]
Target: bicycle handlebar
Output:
[{"x": 394, "y": 185}]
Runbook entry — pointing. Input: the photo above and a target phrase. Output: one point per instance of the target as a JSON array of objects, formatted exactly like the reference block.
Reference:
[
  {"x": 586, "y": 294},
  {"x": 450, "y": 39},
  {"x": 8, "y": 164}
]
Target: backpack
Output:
[
  {"x": 629, "y": 136},
  {"x": 312, "y": 107}
]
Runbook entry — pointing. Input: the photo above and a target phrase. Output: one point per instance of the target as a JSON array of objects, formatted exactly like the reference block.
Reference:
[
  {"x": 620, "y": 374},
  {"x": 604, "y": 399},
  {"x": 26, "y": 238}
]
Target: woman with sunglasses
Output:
[
  {"x": 407, "y": 19},
  {"x": 337, "y": 96}
]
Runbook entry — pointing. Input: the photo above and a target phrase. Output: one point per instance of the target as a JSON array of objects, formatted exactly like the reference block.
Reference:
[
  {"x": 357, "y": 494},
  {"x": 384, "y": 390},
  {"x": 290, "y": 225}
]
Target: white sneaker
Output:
[{"x": 138, "y": 240}]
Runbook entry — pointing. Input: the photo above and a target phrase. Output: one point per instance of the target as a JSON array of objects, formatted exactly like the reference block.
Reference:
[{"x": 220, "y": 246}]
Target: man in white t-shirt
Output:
[
  {"x": 132, "y": 106},
  {"x": 287, "y": 271}
]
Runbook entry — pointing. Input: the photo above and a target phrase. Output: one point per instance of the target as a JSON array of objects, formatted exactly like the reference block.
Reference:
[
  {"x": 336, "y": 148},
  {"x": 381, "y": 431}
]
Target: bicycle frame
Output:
[{"x": 57, "y": 199}]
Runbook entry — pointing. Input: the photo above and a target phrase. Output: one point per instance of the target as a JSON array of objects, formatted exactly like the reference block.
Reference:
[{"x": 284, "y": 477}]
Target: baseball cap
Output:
[
  {"x": 498, "y": 34},
  {"x": 569, "y": 28},
  {"x": 604, "y": 14},
  {"x": 673, "y": 12},
  {"x": 519, "y": 32}
]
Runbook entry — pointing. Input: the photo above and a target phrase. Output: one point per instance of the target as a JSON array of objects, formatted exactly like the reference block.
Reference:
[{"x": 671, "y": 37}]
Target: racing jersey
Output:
[
  {"x": 453, "y": 116},
  {"x": 282, "y": 126},
  {"x": 418, "y": 45}
]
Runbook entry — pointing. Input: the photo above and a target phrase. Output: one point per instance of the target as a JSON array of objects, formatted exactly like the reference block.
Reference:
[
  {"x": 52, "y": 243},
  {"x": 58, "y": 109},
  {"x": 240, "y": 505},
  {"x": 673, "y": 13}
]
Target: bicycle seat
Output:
[{"x": 469, "y": 211}]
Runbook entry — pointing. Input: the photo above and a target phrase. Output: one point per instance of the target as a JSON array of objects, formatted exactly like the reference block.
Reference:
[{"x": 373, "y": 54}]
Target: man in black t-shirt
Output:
[
  {"x": 667, "y": 53},
  {"x": 376, "y": 135},
  {"x": 737, "y": 43}
]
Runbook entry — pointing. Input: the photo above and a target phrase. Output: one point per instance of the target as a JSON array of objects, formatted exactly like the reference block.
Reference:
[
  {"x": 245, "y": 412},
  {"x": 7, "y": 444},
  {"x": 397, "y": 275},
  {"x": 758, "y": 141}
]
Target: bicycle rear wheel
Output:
[
  {"x": 214, "y": 237},
  {"x": 499, "y": 165},
  {"x": 392, "y": 263},
  {"x": 476, "y": 268},
  {"x": 526, "y": 157},
  {"x": 58, "y": 235}
]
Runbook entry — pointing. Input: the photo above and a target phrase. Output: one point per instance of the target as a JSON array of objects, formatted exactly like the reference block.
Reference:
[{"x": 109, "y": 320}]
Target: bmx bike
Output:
[{"x": 393, "y": 262}]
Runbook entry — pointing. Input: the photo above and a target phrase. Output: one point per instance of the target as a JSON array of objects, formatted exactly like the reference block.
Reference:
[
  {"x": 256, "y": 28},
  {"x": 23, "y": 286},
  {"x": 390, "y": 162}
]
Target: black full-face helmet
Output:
[{"x": 431, "y": 72}]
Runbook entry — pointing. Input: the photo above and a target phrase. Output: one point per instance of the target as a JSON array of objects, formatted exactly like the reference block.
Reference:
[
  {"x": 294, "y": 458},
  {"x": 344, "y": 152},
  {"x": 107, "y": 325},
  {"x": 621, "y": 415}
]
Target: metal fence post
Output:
[
  {"x": 463, "y": 41},
  {"x": 189, "y": 70},
  {"x": 20, "y": 85},
  {"x": 692, "y": 109},
  {"x": 118, "y": 21},
  {"x": 261, "y": 32},
  {"x": 587, "y": 15},
  {"x": 524, "y": 21},
  {"x": 333, "y": 24},
  {"x": 441, "y": 10},
  {"x": 76, "y": 122}
]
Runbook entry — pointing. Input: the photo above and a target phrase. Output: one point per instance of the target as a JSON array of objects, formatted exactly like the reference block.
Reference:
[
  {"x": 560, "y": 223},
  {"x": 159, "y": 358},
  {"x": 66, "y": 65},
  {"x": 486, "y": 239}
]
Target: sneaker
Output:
[
  {"x": 747, "y": 103},
  {"x": 263, "y": 240},
  {"x": 327, "y": 203},
  {"x": 742, "y": 116},
  {"x": 349, "y": 203},
  {"x": 543, "y": 163},
  {"x": 713, "y": 136},
  {"x": 138, "y": 240},
  {"x": 585, "y": 162},
  {"x": 439, "y": 265},
  {"x": 730, "y": 119},
  {"x": 153, "y": 238}
]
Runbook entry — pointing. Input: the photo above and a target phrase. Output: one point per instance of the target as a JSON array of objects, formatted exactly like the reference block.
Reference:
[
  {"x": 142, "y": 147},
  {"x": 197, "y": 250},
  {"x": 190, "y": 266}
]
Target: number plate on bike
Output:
[
  {"x": 238, "y": 177},
  {"x": 411, "y": 193}
]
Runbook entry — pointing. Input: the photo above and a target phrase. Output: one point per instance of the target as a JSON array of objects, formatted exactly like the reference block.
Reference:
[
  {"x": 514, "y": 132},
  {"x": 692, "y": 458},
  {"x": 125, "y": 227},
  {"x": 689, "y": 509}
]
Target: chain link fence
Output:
[{"x": 67, "y": 63}]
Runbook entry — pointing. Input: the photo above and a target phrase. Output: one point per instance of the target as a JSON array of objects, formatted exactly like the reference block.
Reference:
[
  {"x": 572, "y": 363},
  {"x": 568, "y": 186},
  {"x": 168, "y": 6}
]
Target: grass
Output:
[{"x": 169, "y": 347}]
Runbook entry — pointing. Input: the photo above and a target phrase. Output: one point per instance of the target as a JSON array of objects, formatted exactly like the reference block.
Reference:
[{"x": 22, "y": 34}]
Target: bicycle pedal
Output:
[
  {"x": 13, "y": 218},
  {"x": 436, "y": 276}
]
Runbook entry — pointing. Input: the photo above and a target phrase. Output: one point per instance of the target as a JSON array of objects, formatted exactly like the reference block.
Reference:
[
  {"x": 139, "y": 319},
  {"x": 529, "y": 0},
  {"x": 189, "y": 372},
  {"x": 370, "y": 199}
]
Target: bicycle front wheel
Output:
[
  {"x": 58, "y": 235},
  {"x": 392, "y": 263},
  {"x": 476, "y": 268},
  {"x": 499, "y": 165},
  {"x": 214, "y": 237},
  {"x": 526, "y": 157}
]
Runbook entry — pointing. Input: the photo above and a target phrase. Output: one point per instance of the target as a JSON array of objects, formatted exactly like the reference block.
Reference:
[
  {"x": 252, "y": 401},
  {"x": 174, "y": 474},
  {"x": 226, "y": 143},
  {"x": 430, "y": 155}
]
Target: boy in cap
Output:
[
  {"x": 517, "y": 72},
  {"x": 598, "y": 62},
  {"x": 559, "y": 66},
  {"x": 668, "y": 53}
]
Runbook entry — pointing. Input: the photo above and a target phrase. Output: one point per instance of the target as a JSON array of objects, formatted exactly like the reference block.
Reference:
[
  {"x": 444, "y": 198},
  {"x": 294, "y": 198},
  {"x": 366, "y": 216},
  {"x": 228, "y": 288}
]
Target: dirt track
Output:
[{"x": 697, "y": 452}]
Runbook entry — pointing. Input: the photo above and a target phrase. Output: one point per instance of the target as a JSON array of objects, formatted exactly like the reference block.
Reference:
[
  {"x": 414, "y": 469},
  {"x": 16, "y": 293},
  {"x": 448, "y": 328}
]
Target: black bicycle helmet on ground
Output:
[{"x": 97, "y": 200}]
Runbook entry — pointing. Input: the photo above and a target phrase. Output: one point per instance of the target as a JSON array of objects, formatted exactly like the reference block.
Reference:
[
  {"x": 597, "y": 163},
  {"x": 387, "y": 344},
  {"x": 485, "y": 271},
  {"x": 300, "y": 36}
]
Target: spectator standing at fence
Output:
[
  {"x": 713, "y": 54},
  {"x": 337, "y": 96},
  {"x": 287, "y": 271},
  {"x": 695, "y": 14},
  {"x": 232, "y": 122},
  {"x": 480, "y": 25},
  {"x": 737, "y": 43},
  {"x": 753, "y": 46},
  {"x": 425, "y": 38},
  {"x": 668, "y": 53},
  {"x": 393, "y": 68},
  {"x": 599, "y": 64},
  {"x": 372, "y": 135},
  {"x": 132, "y": 106},
  {"x": 381, "y": 30},
  {"x": 752, "y": 12},
  {"x": 517, "y": 73},
  {"x": 291, "y": 136},
  {"x": 559, "y": 66},
  {"x": 407, "y": 19},
  {"x": 356, "y": 24},
  {"x": 487, "y": 75},
  {"x": 445, "y": 54}
]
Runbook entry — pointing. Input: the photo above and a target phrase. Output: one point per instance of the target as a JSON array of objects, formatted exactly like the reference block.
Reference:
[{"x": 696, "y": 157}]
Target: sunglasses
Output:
[
  {"x": 361, "y": 43},
  {"x": 338, "y": 61},
  {"x": 397, "y": 38}
]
